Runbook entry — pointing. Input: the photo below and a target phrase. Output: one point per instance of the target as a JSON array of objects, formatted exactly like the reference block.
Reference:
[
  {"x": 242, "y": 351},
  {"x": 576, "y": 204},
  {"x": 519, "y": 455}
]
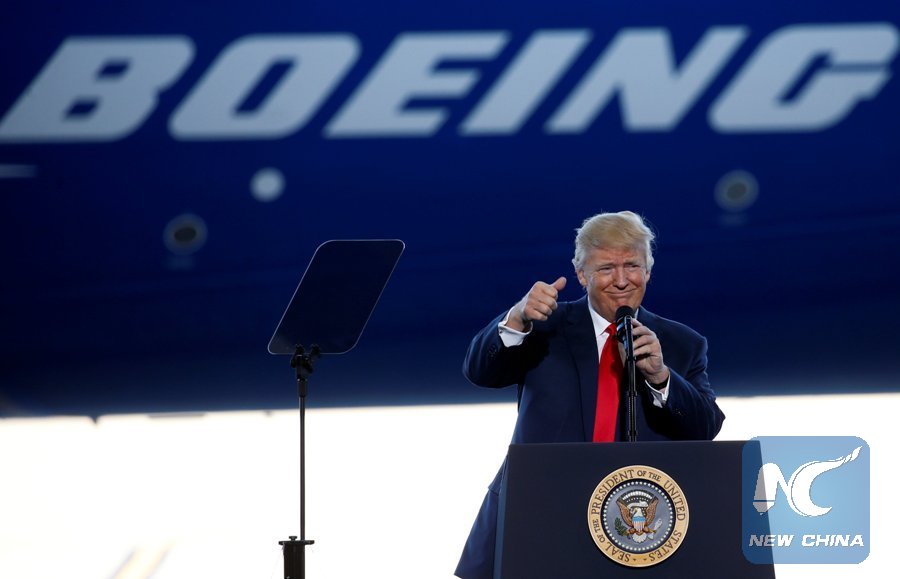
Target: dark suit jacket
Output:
[{"x": 556, "y": 370}]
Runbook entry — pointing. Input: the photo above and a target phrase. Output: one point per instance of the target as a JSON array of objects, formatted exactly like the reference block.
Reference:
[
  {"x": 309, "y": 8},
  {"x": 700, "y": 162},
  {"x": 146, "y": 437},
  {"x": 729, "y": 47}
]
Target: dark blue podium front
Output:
[{"x": 543, "y": 530}]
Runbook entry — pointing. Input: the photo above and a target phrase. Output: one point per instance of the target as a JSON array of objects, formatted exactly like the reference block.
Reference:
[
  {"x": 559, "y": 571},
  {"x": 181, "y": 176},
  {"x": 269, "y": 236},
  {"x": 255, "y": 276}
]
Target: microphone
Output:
[{"x": 624, "y": 316}]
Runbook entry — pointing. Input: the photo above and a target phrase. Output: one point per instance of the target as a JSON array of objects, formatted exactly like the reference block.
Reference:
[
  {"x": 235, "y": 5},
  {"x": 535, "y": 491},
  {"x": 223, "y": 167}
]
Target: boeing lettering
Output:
[{"x": 801, "y": 78}]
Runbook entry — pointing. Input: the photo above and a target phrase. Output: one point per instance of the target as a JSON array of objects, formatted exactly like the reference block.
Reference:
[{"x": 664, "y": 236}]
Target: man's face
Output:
[{"x": 614, "y": 278}]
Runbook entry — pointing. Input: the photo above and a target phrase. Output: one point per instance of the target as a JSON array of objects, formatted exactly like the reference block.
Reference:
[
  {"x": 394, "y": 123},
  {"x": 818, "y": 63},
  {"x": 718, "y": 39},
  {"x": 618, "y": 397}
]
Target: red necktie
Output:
[{"x": 608, "y": 389}]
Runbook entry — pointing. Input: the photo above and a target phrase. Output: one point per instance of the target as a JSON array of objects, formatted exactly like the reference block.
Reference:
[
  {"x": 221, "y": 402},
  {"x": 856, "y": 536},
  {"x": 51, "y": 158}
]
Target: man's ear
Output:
[{"x": 581, "y": 278}]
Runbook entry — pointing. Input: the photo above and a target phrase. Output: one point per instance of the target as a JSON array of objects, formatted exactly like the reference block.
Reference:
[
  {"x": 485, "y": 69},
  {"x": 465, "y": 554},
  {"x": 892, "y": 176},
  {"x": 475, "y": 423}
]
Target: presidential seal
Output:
[{"x": 638, "y": 516}]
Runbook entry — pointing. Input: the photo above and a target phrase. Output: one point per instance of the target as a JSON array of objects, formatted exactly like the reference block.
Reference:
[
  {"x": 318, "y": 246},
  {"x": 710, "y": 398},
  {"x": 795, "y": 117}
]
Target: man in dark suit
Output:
[{"x": 558, "y": 354}]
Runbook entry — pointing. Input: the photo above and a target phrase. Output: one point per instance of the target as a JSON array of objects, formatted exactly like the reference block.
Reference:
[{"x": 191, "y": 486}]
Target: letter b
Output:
[{"x": 96, "y": 89}]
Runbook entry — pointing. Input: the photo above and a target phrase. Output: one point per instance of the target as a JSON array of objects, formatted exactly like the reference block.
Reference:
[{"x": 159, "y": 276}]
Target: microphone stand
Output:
[{"x": 631, "y": 396}]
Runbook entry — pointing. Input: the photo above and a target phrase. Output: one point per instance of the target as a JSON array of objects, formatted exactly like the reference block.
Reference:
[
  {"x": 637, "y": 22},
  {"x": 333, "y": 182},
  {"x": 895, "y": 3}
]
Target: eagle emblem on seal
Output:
[{"x": 638, "y": 517}]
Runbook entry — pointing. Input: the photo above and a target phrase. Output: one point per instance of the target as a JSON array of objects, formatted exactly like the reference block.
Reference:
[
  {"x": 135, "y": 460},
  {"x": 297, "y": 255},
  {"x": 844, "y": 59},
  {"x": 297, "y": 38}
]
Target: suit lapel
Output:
[
  {"x": 648, "y": 318},
  {"x": 583, "y": 346}
]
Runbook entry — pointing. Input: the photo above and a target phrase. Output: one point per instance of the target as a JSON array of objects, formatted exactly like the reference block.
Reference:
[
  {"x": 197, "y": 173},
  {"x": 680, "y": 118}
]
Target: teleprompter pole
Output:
[{"x": 294, "y": 549}]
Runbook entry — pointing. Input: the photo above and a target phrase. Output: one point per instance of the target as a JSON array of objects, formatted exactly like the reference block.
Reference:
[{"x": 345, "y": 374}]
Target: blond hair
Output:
[{"x": 622, "y": 230}]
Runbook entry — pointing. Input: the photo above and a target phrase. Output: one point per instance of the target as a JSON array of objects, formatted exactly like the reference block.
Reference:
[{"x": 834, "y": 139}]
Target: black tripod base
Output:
[{"x": 294, "y": 557}]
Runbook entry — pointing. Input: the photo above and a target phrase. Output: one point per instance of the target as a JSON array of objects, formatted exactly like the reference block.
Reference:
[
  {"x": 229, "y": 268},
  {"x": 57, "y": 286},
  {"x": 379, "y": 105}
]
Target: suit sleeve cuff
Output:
[
  {"x": 661, "y": 395},
  {"x": 509, "y": 336}
]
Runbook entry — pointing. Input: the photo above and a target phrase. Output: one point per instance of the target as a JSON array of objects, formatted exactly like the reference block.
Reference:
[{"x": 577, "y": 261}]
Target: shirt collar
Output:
[{"x": 601, "y": 323}]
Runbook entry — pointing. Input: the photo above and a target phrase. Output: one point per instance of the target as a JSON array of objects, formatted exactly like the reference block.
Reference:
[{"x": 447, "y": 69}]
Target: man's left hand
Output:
[{"x": 648, "y": 356}]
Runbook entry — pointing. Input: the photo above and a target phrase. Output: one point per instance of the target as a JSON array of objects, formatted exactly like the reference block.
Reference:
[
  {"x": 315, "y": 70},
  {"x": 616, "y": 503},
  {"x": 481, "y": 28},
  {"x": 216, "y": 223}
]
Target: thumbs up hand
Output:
[{"x": 538, "y": 304}]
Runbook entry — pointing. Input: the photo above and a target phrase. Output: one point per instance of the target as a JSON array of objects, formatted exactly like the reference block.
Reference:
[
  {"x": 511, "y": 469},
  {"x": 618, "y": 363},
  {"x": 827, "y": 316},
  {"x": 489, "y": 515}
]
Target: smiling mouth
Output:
[{"x": 621, "y": 295}]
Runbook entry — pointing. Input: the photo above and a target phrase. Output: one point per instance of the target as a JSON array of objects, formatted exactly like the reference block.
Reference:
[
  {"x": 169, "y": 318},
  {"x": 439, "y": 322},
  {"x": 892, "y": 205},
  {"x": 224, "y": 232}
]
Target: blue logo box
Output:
[{"x": 805, "y": 499}]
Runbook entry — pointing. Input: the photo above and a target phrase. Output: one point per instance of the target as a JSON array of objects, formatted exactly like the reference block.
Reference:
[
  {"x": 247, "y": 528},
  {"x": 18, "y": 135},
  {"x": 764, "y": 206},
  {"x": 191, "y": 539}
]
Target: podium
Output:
[{"x": 552, "y": 523}]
